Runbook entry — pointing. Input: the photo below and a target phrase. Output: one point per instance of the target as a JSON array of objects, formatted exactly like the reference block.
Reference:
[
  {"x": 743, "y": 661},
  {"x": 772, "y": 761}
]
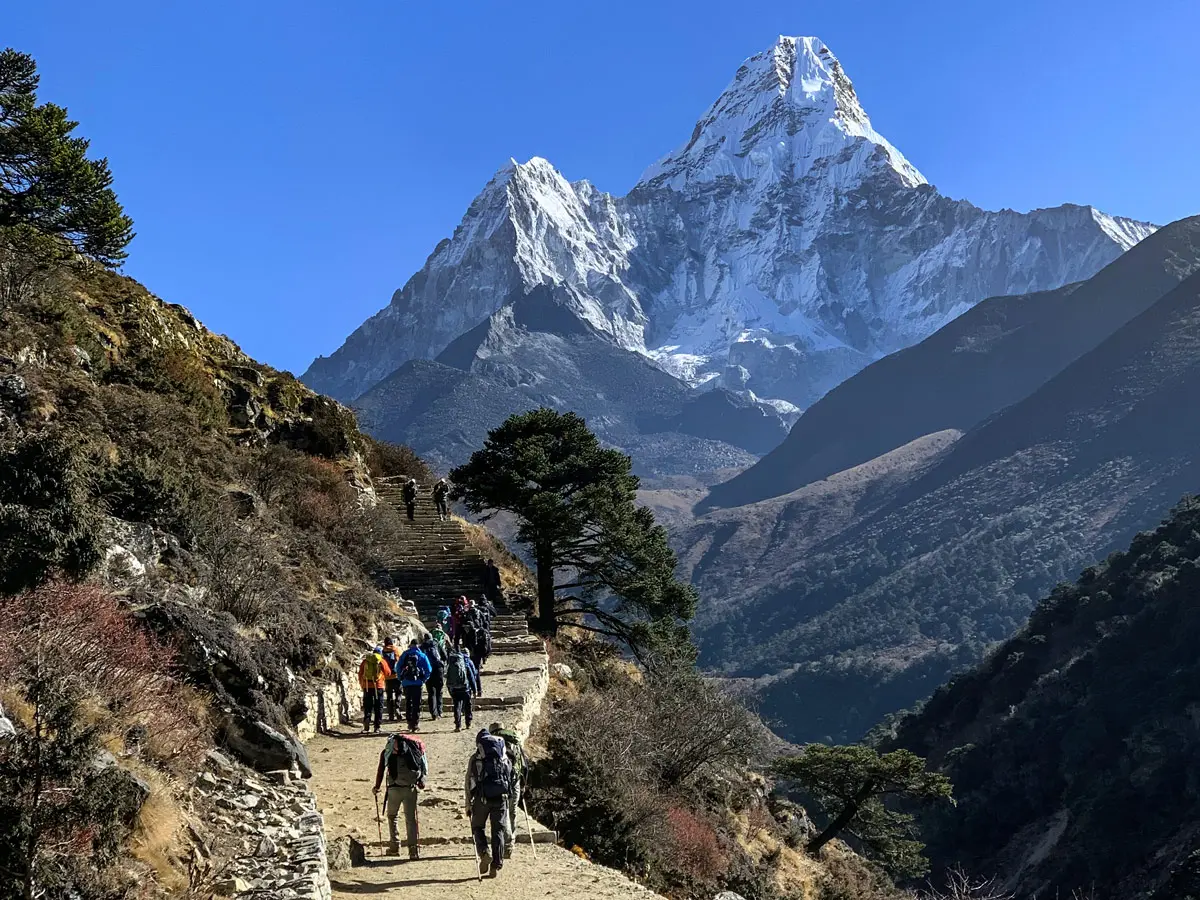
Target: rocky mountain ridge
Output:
[
  {"x": 860, "y": 590},
  {"x": 784, "y": 247}
]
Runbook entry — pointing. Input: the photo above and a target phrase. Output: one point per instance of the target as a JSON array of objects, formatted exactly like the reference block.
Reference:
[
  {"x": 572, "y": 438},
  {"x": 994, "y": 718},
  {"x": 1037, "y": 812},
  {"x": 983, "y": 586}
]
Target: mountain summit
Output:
[
  {"x": 789, "y": 109},
  {"x": 784, "y": 247}
]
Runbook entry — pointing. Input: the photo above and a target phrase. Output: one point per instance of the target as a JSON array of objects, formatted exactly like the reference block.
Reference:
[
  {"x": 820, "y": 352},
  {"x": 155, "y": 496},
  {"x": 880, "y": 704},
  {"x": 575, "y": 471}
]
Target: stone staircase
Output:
[{"x": 435, "y": 563}]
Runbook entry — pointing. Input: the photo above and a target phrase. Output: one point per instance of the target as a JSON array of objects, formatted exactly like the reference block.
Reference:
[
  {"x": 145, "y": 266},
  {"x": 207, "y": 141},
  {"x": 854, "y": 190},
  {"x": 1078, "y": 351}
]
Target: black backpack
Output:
[
  {"x": 494, "y": 775},
  {"x": 409, "y": 670},
  {"x": 430, "y": 649},
  {"x": 404, "y": 762}
]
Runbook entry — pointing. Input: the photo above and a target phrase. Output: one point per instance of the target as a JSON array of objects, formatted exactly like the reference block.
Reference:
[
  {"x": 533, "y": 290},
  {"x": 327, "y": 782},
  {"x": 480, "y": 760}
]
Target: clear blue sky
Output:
[{"x": 290, "y": 163}]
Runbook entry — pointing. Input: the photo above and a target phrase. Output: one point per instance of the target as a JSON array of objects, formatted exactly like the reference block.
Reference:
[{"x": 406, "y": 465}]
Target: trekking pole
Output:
[
  {"x": 379, "y": 824},
  {"x": 475, "y": 850},
  {"x": 529, "y": 825}
]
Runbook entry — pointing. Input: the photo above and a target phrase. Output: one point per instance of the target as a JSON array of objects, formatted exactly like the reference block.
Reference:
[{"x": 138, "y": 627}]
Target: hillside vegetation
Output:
[
  {"x": 1073, "y": 747},
  {"x": 858, "y": 594},
  {"x": 223, "y": 507}
]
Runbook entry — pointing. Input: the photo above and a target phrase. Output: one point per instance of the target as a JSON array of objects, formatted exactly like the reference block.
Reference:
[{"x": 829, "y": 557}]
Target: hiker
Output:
[
  {"x": 488, "y": 784},
  {"x": 462, "y": 679},
  {"x": 441, "y": 491},
  {"x": 493, "y": 586},
  {"x": 372, "y": 674},
  {"x": 391, "y": 655},
  {"x": 443, "y": 617},
  {"x": 520, "y": 768},
  {"x": 462, "y": 606},
  {"x": 441, "y": 639},
  {"x": 410, "y": 497},
  {"x": 415, "y": 670},
  {"x": 405, "y": 767},
  {"x": 477, "y": 637},
  {"x": 437, "y": 667}
]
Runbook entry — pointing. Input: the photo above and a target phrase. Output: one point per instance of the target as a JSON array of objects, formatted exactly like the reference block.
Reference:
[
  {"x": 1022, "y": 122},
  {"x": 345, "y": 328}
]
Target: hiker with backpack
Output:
[
  {"x": 462, "y": 607},
  {"x": 404, "y": 766},
  {"x": 391, "y": 656},
  {"x": 410, "y": 497},
  {"x": 441, "y": 493},
  {"x": 372, "y": 676},
  {"x": 488, "y": 786},
  {"x": 441, "y": 639},
  {"x": 462, "y": 679},
  {"x": 414, "y": 671},
  {"x": 437, "y": 667},
  {"x": 520, "y": 768}
]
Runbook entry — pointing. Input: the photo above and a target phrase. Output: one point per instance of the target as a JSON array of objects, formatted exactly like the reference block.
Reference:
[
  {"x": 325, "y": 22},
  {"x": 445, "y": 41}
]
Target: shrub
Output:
[
  {"x": 387, "y": 460},
  {"x": 46, "y": 521},
  {"x": 65, "y": 806}
]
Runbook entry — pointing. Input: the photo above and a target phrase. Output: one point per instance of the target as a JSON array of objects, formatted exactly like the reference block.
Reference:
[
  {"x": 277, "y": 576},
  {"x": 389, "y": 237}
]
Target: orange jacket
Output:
[{"x": 383, "y": 669}]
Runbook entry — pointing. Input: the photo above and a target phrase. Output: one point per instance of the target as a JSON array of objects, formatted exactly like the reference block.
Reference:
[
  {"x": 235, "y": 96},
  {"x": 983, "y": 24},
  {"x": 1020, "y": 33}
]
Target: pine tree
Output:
[
  {"x": 850, "y": 784},
  {"x": 602, "y": 563},
  {"x": 48, "y": 186}
]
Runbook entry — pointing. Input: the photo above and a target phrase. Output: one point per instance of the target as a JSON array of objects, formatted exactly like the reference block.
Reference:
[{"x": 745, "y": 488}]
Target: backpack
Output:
[
  {"x": 493, "y": 773},
  {"x": 409, "y": 670},
  {"x": 456, "y": 672},
  {"x": 430, "y": 648},
  {"x": 403, "y": 755},
  {"x": 391, "y": 657},
  {"x": 483, "y": 643},
  {"x": 410, "y": 492},
  {"x": 373, "y": 670},
  {"x": 515, "y": 751}
]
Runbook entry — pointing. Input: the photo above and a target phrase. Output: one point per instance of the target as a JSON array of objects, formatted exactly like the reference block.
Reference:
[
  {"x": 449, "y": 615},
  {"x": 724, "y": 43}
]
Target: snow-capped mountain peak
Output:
[
  {"x": 787, "y": 109},
  {"x": 781, "y": 249}
]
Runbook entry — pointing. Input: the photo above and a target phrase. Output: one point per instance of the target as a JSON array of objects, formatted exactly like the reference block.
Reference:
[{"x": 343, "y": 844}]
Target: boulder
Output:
[
  {"x": 563, "y": 671},
  {"x": 728, "y": 895},
  {"x": 265, "y": 748}
]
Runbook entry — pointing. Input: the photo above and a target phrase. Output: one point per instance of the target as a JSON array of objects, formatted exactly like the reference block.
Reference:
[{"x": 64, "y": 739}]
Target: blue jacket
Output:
[{"x": 423, "y": 666}]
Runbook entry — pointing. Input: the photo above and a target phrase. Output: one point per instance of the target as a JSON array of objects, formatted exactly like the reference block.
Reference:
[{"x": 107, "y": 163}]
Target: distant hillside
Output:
[
  {"x": 988, "y": 358},
  {"x": 1073, "y": 747},
  {"x": 862, "y": 609}
]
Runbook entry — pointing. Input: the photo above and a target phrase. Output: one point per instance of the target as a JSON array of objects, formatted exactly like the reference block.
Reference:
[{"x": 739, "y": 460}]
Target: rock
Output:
[
  {"x": 231, "y": 886},
  {"x": 563, "y": 671},
  {"x": 206, "y": 779},
  {"x": 249, "y": 801},
  {"x": 266, "y": 847},
  {"x": 83, "y": 359},
  {"x": 728, "y": 895},
  {"x": 218, "y": 762},
  {"x": 279, "y": 776},
  {"x": 264, "y": 748},
  {"x": 7, "y": 729}
]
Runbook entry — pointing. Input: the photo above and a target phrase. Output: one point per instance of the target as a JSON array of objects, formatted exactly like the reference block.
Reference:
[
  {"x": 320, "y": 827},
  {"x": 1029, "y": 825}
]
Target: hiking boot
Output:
[
  {"x": 377, "y": 729},
  {"x": 508, "y": 851},
  {"x": 495, "y": 869},
  {"x": 367, "y": 728},
  {"x": 458, "y": 728},
  {"x": 485, "y": 863},
  {"x": 393, "y": 849}
]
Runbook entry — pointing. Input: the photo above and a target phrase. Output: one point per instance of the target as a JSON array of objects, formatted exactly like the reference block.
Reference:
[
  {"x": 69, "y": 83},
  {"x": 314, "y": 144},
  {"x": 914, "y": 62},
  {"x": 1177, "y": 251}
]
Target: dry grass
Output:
[
  {"x": 515, "y": 574},
  {"x": 156, "y": 837}
]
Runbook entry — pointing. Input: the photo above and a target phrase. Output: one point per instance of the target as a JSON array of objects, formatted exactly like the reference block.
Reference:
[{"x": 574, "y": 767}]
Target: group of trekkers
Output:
[
  {"x": 441, "y": 498},
  {"x": 451, "y": 657},
  {"x": 493, "y": 791}
]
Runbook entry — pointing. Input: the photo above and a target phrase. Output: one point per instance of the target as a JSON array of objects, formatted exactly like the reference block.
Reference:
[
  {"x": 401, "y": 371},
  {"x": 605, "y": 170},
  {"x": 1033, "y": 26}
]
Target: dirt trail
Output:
[{"x": 344, "y": 771}]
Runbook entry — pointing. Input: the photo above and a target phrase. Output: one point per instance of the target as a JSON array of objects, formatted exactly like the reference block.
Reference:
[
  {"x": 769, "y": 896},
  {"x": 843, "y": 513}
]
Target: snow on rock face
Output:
[
  {"x": 786, "y": 240},
  {"x": 787, "y": 110}
]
